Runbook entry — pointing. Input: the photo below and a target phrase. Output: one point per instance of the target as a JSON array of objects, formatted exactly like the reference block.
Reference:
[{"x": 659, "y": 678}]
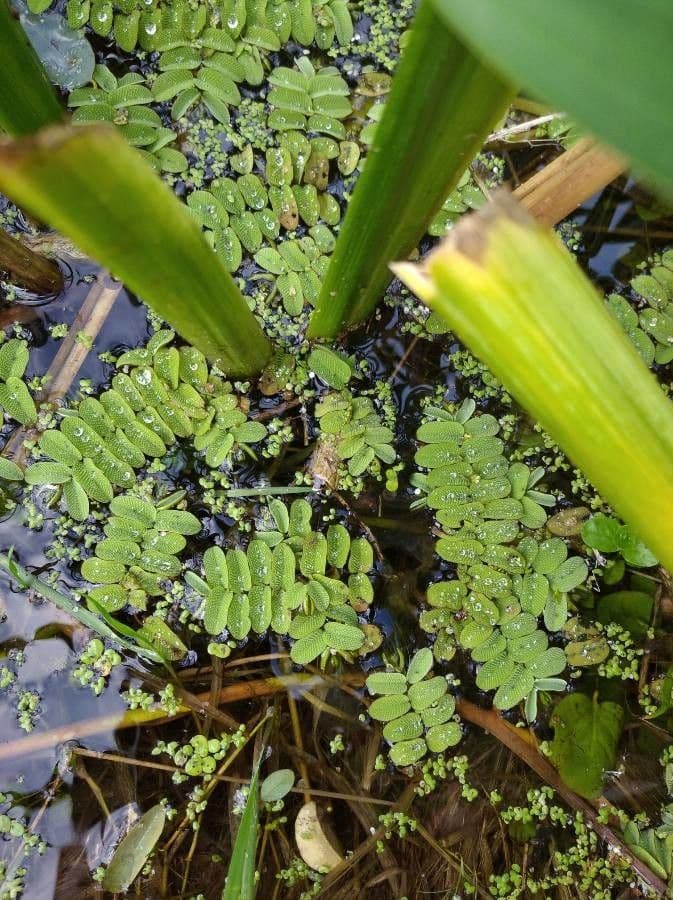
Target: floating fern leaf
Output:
[
  {"x": 347, "y": 638},
  {"x": 114, "y": 550},
  {"x": 440, "y": 712},
  {"x": 406, "y": 753},
  {"x": 389, "y": 707},
  {"x": 424, "y": 693},
  {"x": 260, "y": 607},
  {"x": 419, "y": 665},
  {"x": 99, "y": 571},
  {"x": 134, "y": 508},
  {"x": 9, "y": 471},
  {"x": 42, "y": 473},
  {"x": 76, "y": 501},
  {"x": 16, "y": 401},
  {"x": 515, "y": 689},
  {"x": 338, "y": 545},
  {"x": 440, "y": 737},
  {"x": 308, "y": 648},
  {"x": 406, "y": 728},
  {"x": 386, "y": 683},
  {"x": 96, "y": 485},
  {"x": 216, "y": 610},
  {"x": 330, "y": 367},
  {"x": 13, "y": 359},
  {"x": 238, "y": 619},
  {"x": 177, "y": 520},
  {"x": 550, "y": 663}
]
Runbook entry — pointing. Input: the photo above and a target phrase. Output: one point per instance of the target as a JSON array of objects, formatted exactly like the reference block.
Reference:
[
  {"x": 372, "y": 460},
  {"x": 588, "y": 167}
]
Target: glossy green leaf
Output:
[
  {"x": 134, "y": 850},
  {"x": 277, "y": 785},
  {"x": 27, "y": 99},
  {"x": 584, "y": 748},
  {"x": 88, "y": 183}
]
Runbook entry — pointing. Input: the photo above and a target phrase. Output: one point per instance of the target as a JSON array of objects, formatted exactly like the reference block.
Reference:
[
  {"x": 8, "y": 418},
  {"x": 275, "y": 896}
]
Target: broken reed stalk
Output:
[
  {"x": 570, "y": 179},
  {"x": 28, "y": 269},
  {"x": 517, "y": 298}
]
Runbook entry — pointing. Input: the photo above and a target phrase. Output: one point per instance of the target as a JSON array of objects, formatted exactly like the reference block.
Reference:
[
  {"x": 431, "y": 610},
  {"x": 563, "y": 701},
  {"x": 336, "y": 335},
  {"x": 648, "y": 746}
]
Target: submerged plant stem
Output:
[
  {"x": 66, "y": 604},
  {"x": 28, "y": 269}
]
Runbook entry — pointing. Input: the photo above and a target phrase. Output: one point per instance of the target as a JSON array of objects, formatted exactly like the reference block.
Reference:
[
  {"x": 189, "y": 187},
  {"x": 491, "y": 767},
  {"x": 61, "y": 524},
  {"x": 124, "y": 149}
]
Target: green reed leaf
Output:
[
  {"x": 88, "y": 183},
  {"x": 518, "y": 299},
  {"x": 528, "y": 42},
  {"x": 408, "y": 175},
  {"x": 27, "y": 99}
]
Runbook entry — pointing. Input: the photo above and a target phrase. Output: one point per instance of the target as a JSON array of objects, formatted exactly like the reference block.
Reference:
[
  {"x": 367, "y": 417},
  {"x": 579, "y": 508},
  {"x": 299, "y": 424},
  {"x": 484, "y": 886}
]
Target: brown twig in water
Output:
[
  {"x": 72, "y": 352},
  {"x": 230, "y": 779}
]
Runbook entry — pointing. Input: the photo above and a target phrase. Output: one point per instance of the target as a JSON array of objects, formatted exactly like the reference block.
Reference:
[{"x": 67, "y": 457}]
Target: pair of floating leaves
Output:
[{"x": 15, "y": 398}]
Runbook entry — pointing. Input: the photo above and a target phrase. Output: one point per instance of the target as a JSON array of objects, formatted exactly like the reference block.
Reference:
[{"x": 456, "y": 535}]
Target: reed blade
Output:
[
  {"x": 442, "y": 104},
  {"x": 607, "y": 64},
  {"x": 90, "y": 185},
  {"x": 517, "y": 298},
  {"x": 27, "y": 99}
]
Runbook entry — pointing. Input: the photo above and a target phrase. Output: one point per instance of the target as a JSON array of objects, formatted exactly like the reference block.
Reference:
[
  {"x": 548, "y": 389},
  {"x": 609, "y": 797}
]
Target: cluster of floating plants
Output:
[
  {"x": 418, "y": 712},
  {"x": 263, "y": 143},
  {"x": 139, "y": 552},
  {"x": 296, "y": 581},
  {"x": 15, "y": 398},
  {"x": 165, "y": 394},
  {"x": 647, "y": 318},
  {"x": 255, "y": 24},
  {"x": 507, "y": 573}
]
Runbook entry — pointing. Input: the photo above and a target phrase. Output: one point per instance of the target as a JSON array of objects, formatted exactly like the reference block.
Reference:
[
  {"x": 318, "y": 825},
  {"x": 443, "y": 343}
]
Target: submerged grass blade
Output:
[
  {"x": 88, "y": 183},
  {"x": 240, "y": 882},
  {"x": 66, "y": 604},
  {"x": 27, "y": 99},
  {"x": 517, "y": 298},
  {"x": 552, "y": 49},
  {"x": 442, "y": 104}
]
